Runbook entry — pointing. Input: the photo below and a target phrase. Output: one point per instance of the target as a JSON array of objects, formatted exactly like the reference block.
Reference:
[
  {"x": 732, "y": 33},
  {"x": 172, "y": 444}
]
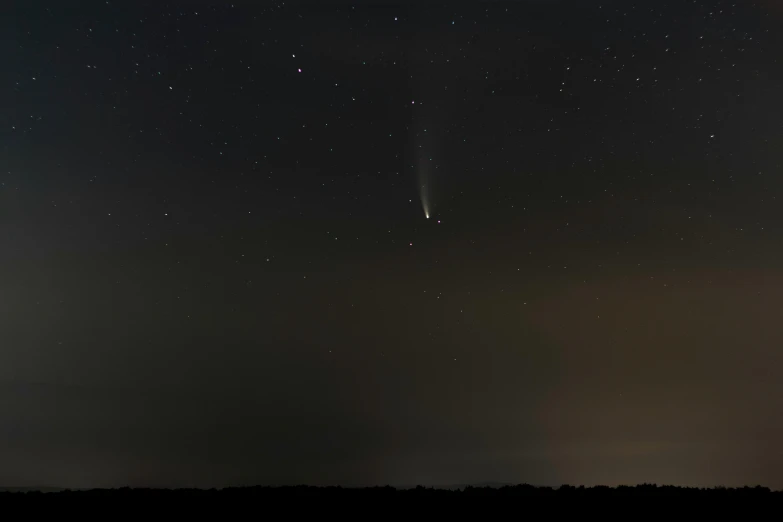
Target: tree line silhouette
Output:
[{"x": 311, "y": 497}]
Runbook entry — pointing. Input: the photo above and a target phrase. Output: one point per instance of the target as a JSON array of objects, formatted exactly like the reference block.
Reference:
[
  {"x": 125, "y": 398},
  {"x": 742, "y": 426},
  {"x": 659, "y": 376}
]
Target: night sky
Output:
[{"x": 391, "y": 243}]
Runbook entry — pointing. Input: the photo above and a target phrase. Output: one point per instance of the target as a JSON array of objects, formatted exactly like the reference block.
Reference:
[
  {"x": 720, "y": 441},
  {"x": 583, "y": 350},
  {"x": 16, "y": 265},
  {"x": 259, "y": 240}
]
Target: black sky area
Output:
[{"x": 216, "y": 269}]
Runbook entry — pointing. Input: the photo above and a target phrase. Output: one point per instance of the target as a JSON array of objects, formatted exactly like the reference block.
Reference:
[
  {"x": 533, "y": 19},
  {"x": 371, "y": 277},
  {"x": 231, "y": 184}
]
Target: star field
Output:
[{"x": 375, "y": 242}]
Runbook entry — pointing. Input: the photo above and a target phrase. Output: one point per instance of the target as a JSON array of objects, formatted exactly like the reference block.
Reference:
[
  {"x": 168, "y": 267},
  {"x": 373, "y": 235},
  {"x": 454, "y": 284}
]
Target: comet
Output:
[
  {"x": 423, "y": 165},
  {"x": 425, "y": 205}
]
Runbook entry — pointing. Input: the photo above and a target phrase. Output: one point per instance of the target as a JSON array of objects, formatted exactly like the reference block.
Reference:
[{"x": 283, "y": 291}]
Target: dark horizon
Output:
[
  {"x": 482, "y": 486},
  {"x": 531, "y": 241},
  {"x": 648, "y": 497}
]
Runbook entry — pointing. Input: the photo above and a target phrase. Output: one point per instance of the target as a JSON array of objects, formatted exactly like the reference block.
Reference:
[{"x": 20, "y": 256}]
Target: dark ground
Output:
[{"x": 385, "y": 500}]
